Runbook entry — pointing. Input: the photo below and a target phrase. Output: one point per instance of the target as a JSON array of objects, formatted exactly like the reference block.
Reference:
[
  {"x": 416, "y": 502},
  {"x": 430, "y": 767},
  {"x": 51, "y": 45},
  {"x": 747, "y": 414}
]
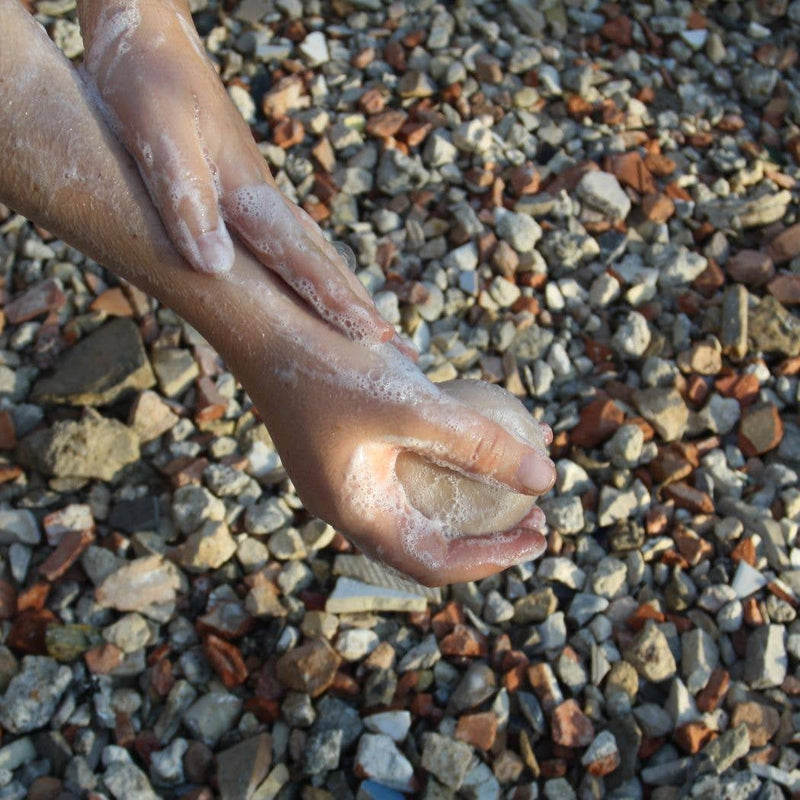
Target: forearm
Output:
[{"x": 61, "y": 166}]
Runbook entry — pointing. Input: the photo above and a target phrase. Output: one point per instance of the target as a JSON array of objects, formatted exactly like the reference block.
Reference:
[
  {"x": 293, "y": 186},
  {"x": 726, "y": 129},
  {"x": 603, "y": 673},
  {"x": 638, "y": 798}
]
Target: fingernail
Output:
[
  {"x": 536, "y": 473},
  {"x": 216, "y": 250}
]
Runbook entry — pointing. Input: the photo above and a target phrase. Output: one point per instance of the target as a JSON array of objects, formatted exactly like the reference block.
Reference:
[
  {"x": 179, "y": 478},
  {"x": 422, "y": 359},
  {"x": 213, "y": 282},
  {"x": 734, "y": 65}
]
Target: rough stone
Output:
[
  {"x": 93, "y": 447},
  {"x": 100, "y": 369}
]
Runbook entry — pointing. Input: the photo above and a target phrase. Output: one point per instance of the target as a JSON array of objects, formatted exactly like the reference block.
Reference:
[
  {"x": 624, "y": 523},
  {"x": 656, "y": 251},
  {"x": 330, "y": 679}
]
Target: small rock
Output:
[
  {"x": 243, "y": 767},
  {"x": 138, "y": 584},
  {"x": 760, "y": 430},
  {"x": 394, "y": 724},
  {"x": 314, "y": 49},
  {"x": 309, "y": 668},
  {"x": 175, "y": 369},
  {"x": 651, "y": 655},
  {"x": 762, "y": 721},
  {"x": 751, "y": 267},
  {"x": 733, "y": 333},
  {"x": 94, "y": 447},
  {"x": 725, "y": 751},
  {"x": 570, "y": 727},
  {"x": 519, "y": 230},
  {"x": 602, "y": 756},
  {"x": 212, "y": 715},
  {"x": 766, "y": 662},
  {"x": 150, "y": 416},
  {"x": 665, "y": 410},
  {"x": 33, "y": 694},
  {"x": 601, "y": 190},
  {"x": 126, "y": 781},
  {"x": 786, "y": 245},
  {"x": 18, "y": 527},
  {"x": 699, "y": 658},
  {"x": 447, "y": 760},
  {"x": 208, "y": 548},
  {"x": 378, "y": 759},
  {"x": 36, "y": 301}
]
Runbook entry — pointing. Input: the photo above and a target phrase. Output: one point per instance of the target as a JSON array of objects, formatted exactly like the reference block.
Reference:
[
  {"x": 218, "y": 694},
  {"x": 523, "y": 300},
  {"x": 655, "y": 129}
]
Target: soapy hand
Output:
[{"x": 164, "y": 100}]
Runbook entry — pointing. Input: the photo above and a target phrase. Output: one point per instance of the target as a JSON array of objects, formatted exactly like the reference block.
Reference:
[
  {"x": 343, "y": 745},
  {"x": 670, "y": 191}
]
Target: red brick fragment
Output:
[
  {"x": 598, "y": 421},
  {"x": 27, "y": 633},
  {"x": 752, "y": 267},
  {"x": 8, "y": 436},
  {"x": 33, "y": 597},
  {"x": 660, "y": 165},
  {"x": 760, "y": 429},
  {"x": 309, "y": 668},
  {"x": 786, "y": 245},
  {"x": 745, "y": 550},
  {"x": 225, "y": 659},
  {"x": 762, "y": 721},
  {"x": 8, "y": 599},
  {"x": 786, "y": 289},
  {"x": 710, "y": 696},
  {"x": 658, "y": 207},
  {"x": 744, "y": 388},
  {"x": 631, "y": 170},
  {"x": 104, "y": 659},
  {"x": 693, "y": 737},
  {"x": 113, "y": 302},
  {"x": 686, "y": 496},
  {"x": 479, "y": 730},
  {"x": 288, "y": 132},
  {"x": 36, "y": 301},
  {"x": 210, "y": 404},
  {"x": 464, "y": 641},
  {"x": 570, "y": 726},
  {"x": 68, "y": 551},
  {"x": 643, "y": 613},
  {"x": 692, "y": 547}
]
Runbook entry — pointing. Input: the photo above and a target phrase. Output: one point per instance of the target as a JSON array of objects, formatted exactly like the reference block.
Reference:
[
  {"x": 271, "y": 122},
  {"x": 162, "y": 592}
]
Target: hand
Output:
[
  {"x": 340, "y": 413},
  {"x": 164, "y": 100}
]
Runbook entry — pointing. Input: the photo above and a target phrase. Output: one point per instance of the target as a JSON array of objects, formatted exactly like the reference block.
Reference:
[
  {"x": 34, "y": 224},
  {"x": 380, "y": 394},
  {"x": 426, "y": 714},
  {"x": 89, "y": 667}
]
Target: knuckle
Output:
[{"x": 489, "y": 449}]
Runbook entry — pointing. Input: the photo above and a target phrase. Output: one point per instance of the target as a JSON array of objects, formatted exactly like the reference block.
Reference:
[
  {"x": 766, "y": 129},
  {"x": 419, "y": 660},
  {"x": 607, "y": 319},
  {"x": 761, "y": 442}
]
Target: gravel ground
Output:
[{"x": 595, "y": 205}]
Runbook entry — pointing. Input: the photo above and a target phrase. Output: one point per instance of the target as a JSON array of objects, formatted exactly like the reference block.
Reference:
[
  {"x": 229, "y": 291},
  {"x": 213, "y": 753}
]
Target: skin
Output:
[
  {"x": 161, "y": 95},
  {"x": 340, "y": 409}
]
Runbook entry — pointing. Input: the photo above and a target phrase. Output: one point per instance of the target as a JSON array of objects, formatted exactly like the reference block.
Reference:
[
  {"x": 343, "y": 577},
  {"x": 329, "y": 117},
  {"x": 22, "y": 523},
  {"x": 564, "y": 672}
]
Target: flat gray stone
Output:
[
  {"x": 241, "y": 768},
  {"x": 100, "y": 369}
]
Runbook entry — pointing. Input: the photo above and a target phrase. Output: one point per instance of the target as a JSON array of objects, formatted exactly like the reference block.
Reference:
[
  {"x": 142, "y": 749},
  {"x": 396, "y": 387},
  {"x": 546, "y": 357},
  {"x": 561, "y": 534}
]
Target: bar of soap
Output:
[{"x": 469, "y": 507}]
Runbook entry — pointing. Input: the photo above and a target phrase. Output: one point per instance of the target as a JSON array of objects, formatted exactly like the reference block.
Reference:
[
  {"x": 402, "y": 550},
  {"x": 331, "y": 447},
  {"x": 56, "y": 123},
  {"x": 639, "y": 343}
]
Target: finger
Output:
[
  {"x": 452, "y": 434},
  {"x": 471, "y": 559},
  {"x": 427, "y": 556},
  {"x": 182, "y": 187},
  {"x": 348, "y": 258},
  {"x": 279, "y": 236}
]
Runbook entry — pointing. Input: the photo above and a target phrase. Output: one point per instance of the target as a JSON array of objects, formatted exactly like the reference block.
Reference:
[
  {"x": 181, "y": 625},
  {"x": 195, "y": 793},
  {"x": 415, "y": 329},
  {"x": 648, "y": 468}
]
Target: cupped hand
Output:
[
  {"x": 163, "y": 98},
  {"x": 341, "y": 412}
]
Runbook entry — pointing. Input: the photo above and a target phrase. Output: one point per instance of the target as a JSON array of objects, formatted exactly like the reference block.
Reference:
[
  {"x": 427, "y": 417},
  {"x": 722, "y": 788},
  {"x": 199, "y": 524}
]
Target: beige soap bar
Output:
[{"x": 467, "y": 506}]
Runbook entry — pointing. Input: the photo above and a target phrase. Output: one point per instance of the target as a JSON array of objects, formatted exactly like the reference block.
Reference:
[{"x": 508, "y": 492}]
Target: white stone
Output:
[
  {"x": 356, "y": 643},
  {"x": 379, "y": 759},
  {"x": 314, "y": 49},
  {"x": 747, "y": 580},
  {"x": 351, "y": 596},
  {"x": 601, "y": 190},
  {"x": 394, "y": 724}
]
